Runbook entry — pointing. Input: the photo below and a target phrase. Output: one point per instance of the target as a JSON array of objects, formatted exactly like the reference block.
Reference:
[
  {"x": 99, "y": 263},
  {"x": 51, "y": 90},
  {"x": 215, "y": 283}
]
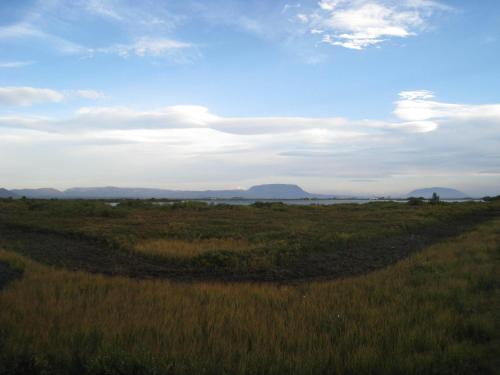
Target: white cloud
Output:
[
  {"x": 275, "y": 125},
  {"x": 126, "y": 118},
  {"x": 427, "y": 140},
  {"x": 24, "y": 122},
  {"x": 26, "y": 96},
  {"x": 415, "y": 112},
  {"x": 358, "y": 24},
  {"x": 418, "y": 94},
  {"x": 417, "y": 106}
]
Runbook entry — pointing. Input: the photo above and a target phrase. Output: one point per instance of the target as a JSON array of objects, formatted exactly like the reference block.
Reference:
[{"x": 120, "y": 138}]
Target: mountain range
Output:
[
  {"x": 4, "y": 193},
  {"x": 269, "y": 191}
]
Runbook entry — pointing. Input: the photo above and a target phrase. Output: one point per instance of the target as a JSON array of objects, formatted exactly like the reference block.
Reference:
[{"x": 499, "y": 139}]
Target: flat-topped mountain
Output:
[
  {"x": 278, "y": 191},
  {"x": 270, "y": 191},
  {"x": 444, "y": 193}
]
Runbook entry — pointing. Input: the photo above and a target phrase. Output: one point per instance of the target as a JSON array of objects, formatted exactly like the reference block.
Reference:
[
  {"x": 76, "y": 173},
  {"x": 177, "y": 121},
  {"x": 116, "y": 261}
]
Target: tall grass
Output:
[{"x": 436, "y": 312}]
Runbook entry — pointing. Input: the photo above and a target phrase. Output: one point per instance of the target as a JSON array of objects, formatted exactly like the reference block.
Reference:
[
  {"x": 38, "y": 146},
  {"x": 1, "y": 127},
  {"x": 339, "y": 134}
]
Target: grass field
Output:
[
  {"x": 434, "y": 311},
  {"x": 195, "y": 241}
]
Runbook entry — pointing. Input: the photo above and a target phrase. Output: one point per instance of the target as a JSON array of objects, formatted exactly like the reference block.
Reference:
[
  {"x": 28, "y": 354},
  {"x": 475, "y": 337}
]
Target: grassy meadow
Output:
[{"x": 435, "y": 311}]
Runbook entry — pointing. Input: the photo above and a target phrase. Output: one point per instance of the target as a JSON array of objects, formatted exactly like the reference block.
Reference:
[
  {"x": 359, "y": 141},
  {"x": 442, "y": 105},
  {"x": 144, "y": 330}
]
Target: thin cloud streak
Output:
[{"x": 15, "y": 64}]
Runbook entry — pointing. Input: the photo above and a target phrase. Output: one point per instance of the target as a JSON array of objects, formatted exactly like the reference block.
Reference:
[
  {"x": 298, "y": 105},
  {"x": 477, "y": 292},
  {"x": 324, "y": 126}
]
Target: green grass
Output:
[
  {"x": 137, "y": 220},
  {"x": 435, "y": 312}
]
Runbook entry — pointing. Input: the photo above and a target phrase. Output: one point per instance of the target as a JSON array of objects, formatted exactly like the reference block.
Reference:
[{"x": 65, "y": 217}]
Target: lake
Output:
[{"x": 298, "y": 202}]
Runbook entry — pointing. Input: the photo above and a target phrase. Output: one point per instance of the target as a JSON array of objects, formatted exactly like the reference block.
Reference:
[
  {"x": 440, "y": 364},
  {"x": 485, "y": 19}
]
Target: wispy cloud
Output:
[
  {"x": 288, "y": 7},
  {"x": 142, "y": 27},
  {"x": 174, "y": 50},
  {"x": 154, "y": 47},
  {"x": 27, "y": 30},
  {"x": 103, "y": 8},
  {"x": 136, "y": 15}
]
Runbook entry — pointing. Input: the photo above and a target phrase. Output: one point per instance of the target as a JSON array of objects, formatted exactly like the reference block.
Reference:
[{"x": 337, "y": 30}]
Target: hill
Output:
[
  {"x": 4, "y": 193},
  {"x": 43, "y": 193},
  {"x": 146, "y": 193},
  {"x": 444, "y": 193}
]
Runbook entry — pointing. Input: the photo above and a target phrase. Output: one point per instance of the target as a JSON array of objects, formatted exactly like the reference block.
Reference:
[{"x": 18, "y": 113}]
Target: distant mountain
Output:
[
  {"x": 44, "y": 193},
  {"x": 146, "y": 193},
  {"x": 444, "y": 193},
  {"x": 277, "y": 191},
  {"x": 4, "y": 193},
  {"x": 271, "y": 191}
]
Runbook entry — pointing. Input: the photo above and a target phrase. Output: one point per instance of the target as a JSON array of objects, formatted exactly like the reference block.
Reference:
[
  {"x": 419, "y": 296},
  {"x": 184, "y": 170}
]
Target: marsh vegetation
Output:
[{"x": 378, "y": 288}]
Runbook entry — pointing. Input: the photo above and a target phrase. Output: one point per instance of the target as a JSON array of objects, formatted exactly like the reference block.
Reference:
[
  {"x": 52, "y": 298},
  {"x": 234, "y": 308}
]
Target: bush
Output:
[
  {"x": 190, "y": 204},
  {"x": 491, "y": 199}
]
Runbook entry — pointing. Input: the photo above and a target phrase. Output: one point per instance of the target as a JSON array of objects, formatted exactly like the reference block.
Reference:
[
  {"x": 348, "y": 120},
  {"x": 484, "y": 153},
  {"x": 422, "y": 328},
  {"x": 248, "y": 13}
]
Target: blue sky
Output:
[{"x": 347, "y": 96}]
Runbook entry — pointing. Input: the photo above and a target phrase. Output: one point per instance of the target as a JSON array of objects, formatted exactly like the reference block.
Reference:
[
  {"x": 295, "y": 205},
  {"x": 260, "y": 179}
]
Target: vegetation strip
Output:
[{"x": 357, "y": 258}]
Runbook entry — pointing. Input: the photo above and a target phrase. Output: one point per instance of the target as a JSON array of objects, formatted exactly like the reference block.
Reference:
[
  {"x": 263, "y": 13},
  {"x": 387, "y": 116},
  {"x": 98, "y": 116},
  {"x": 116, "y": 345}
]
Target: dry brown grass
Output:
[{"x": 190, "y": 249}]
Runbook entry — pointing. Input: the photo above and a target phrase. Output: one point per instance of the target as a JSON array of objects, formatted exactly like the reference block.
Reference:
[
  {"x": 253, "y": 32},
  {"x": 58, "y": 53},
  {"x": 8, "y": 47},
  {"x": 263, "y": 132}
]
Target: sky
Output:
[{"x": 337, "y": 96}]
